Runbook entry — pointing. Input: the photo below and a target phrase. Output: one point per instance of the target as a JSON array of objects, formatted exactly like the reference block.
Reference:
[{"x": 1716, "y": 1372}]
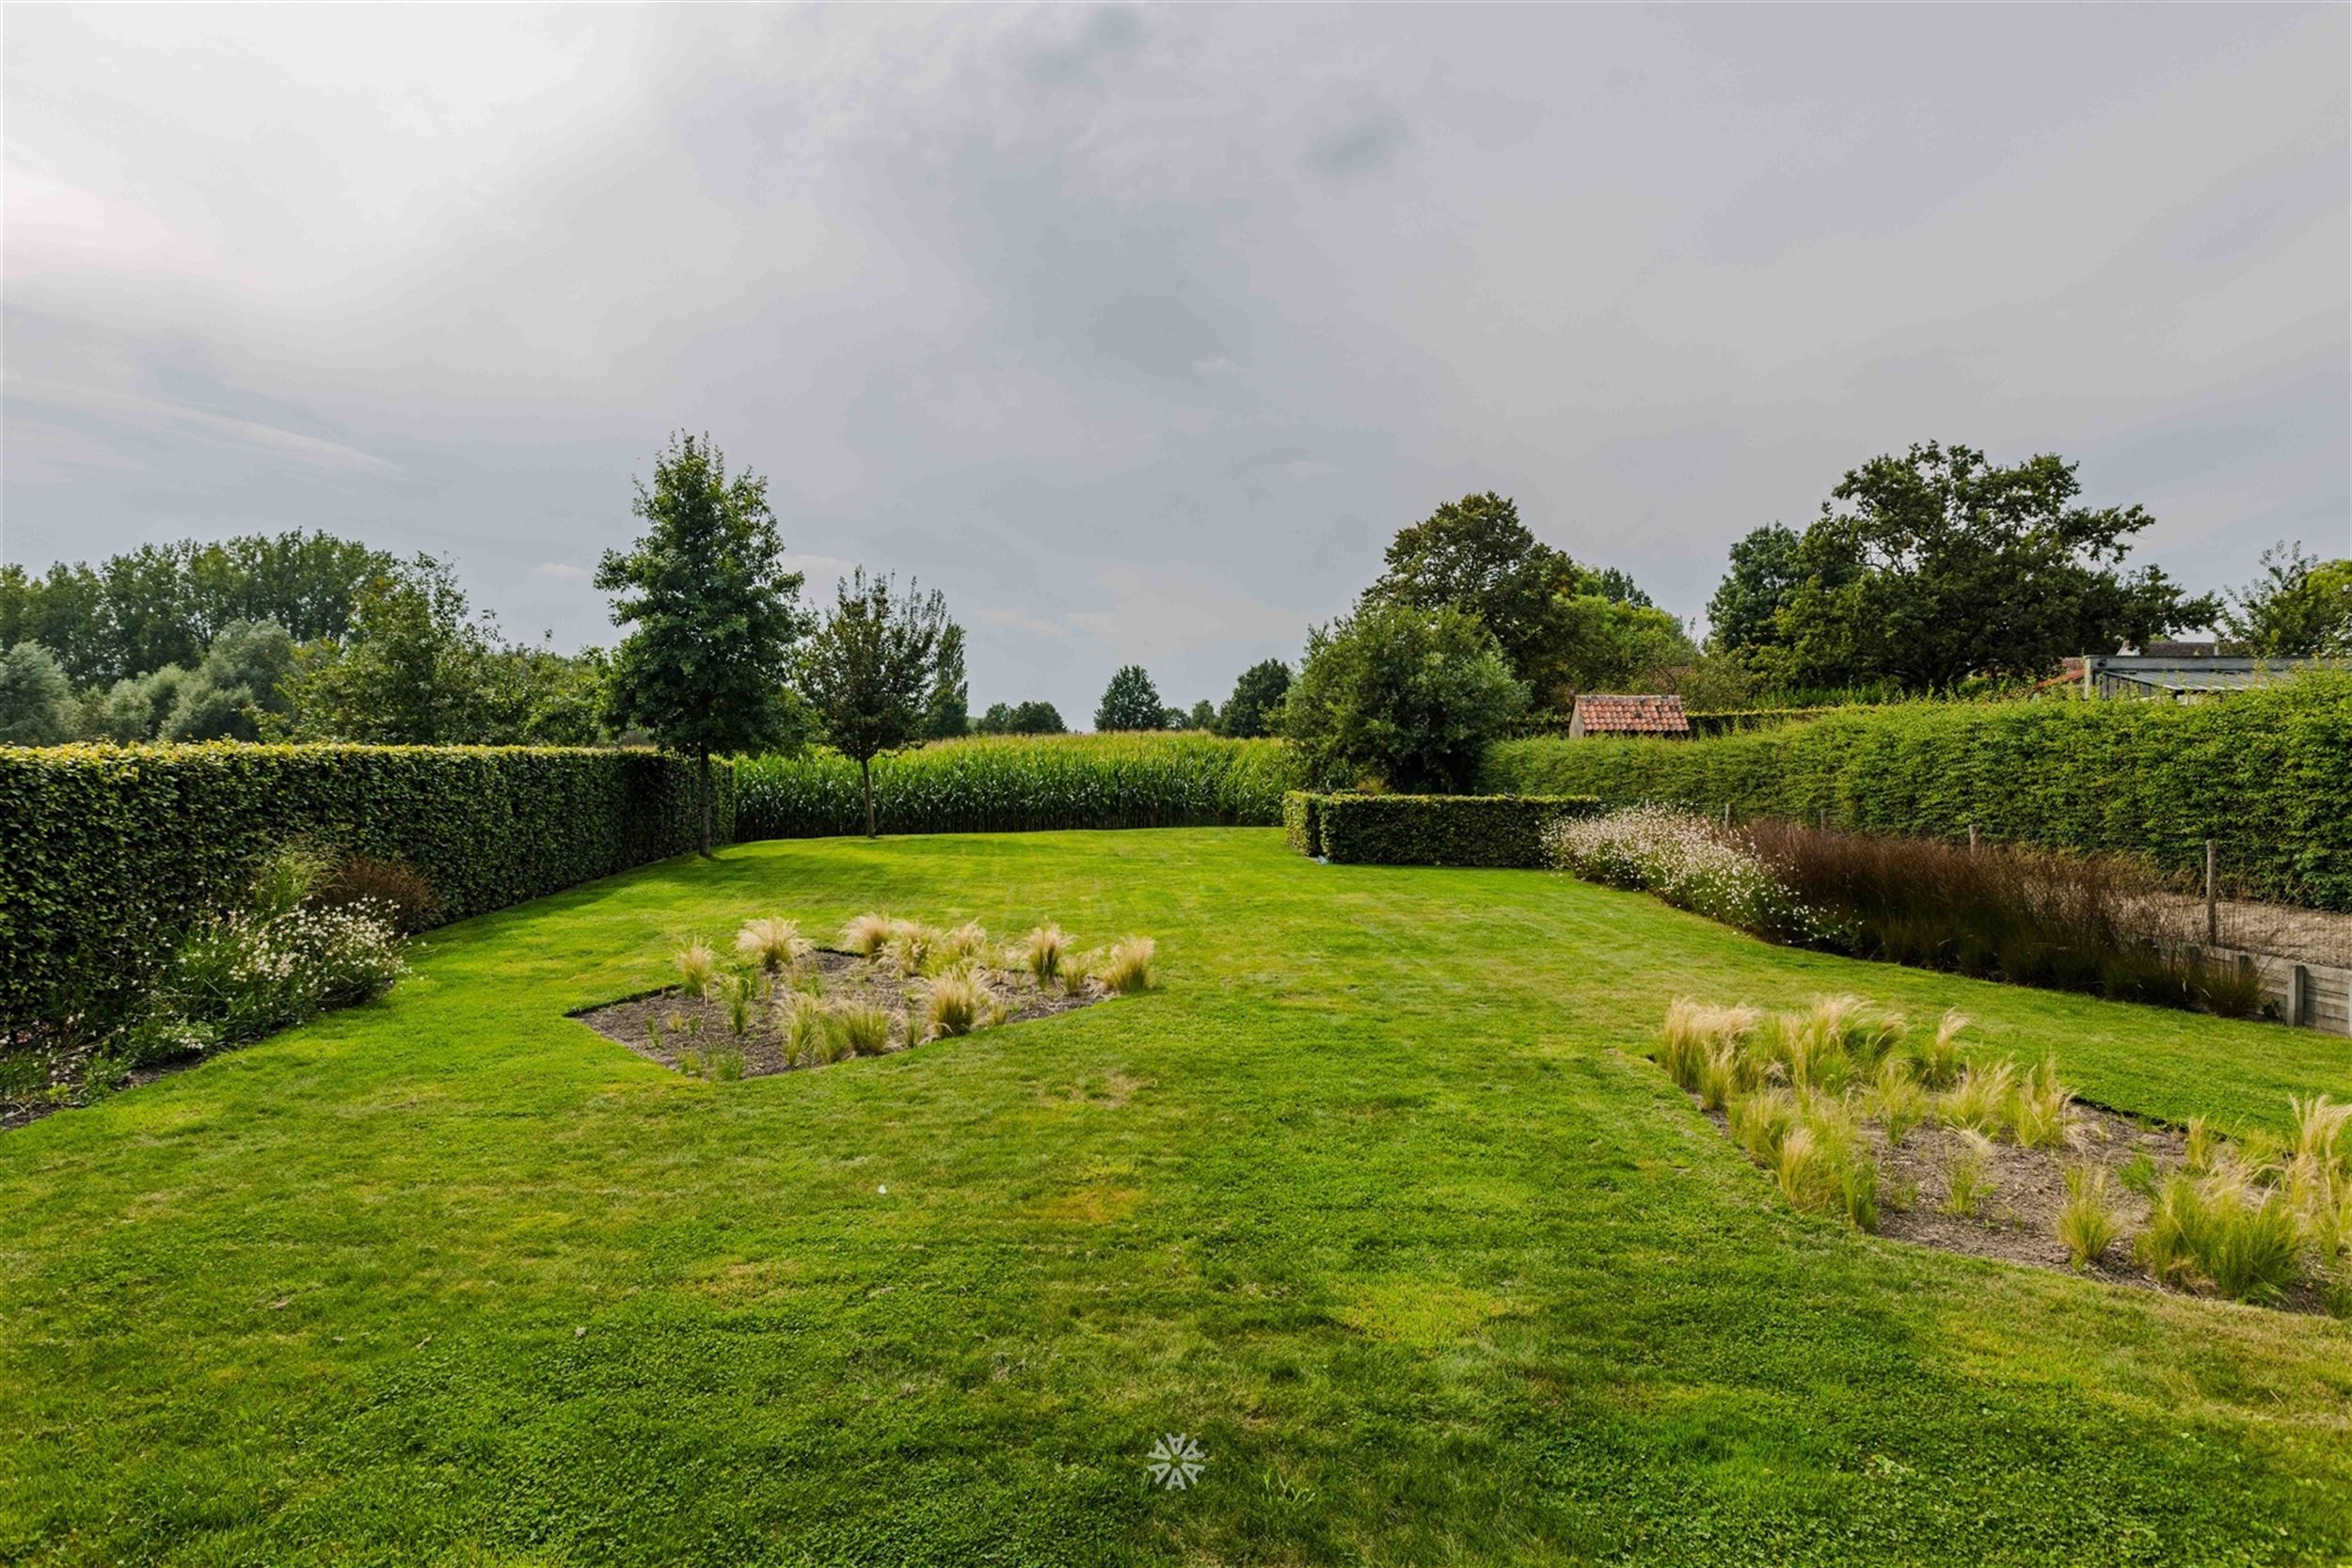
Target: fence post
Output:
[
  {"x": 2298, "y": 993},
  {"x": 2212, "y": 908},
  {"x": 1726, "y": 813},
  {"x": 1972, "y": 838}
]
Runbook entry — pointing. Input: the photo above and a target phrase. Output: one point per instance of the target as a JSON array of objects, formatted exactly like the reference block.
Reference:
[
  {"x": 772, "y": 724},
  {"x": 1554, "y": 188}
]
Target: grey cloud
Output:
[
  {"x": 1367, "y": 143},
  {"x": 1138, "y": 333}
]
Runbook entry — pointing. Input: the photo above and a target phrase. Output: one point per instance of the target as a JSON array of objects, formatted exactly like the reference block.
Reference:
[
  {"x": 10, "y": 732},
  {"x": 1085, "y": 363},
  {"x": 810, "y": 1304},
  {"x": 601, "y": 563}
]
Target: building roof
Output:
[
  {"x": 2126, "y": 674},
  {"x": 1607, "y": 715}
]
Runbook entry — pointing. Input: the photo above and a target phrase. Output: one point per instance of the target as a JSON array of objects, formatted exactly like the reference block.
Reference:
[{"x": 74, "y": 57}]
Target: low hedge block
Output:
[
  {"x": 1502, "y": 830},
  {"x": 1302, "y": 822}
]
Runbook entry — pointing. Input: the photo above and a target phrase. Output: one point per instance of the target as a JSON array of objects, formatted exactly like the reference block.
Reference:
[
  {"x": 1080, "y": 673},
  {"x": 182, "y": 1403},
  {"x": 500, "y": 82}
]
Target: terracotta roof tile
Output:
[{"x": 1607, "y": 715}]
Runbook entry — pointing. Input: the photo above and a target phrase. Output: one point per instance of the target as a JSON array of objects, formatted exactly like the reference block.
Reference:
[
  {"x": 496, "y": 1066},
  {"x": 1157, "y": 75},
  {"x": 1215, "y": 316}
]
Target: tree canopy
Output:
[
  {"x": 1400, "y": 696},
  {"x": 715, "y": 614},
  {"x": 1256, "y": 705},
  {"x": 35, "y": 699},
  {"x": 1475, "y": 553},
  {"x": 1938, "y": 566},
  {"x": 1764, "y": 572},
  {"x": 1131, "y": 702},
  {"x": 947, "y": 711},
  {"x": 1020, "y": 719},
  {"x": 2301, "y": 606},
  {"x": 164, "y": 604}
]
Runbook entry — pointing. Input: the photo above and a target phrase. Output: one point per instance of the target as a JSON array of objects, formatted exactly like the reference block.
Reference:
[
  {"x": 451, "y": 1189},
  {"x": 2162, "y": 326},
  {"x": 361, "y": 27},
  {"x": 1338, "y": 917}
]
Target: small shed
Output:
[{"x": 1645, "y": 715}]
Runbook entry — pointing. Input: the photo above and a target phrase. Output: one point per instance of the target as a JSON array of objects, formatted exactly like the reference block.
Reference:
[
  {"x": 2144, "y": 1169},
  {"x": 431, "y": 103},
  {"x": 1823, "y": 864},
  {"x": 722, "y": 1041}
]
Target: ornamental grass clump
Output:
[
  {"x": 2087, "y": 1225},
  {"x": 1040, "y": 952},
  {"x": 908, "y": 947},
  {"x": 857, "y": 1028},
  {"x": 864, "y": 934},
  {"x": 1125, "y": 967},
  {"x": 954, "y": 1004},
  {"x": 772, "y": 943},
  {"x": 965, "y": 944},
  {"x": 697, "y": 967}
]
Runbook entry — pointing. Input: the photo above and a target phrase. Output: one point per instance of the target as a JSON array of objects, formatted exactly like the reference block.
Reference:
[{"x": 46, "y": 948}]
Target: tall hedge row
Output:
[
  {"x": 2266, "y": 773},
  {"x": 1018, "y": 783},
  {"x": 104, "y": 850}
]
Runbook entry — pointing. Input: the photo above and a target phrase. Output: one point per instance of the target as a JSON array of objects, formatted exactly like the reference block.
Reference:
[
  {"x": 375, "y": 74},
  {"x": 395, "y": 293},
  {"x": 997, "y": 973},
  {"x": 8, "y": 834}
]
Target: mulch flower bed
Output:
[{"x": 696, "y": 1033}]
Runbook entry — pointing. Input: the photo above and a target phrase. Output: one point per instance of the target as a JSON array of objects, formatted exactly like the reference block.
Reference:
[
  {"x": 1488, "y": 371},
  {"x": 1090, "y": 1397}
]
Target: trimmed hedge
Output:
[
  {"x": 1302, "y": 822},
  {"x": 2267, "y": 774},
  {"x": 1740, "y": 720},
  {"x": 105, "y": 850},
  {"x": 1505, "y": 830},
  {"x": 1021, "y": 784}
]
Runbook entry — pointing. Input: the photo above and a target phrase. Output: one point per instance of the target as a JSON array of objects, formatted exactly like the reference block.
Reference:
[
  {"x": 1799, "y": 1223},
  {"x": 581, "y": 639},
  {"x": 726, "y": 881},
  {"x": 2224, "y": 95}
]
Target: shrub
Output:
[
  {"x": 109, "y": 845},
  {"x": 1938, "y": 1056},
  {"x": 2036, "y": 1109},
  {"x": 246, "y": 974},
  {"x": 2268, "y": 773},
  {"x": 1021, "y": 784},
  {"x": 1439, "y": 829},
  {"x": 1401, "y": 695},
  {"x": 2249, "y": 1245},
  {"x": 397, "y": 891},
  {"x": 965, "y": 944},
  {"x": 909, "y": 945}
]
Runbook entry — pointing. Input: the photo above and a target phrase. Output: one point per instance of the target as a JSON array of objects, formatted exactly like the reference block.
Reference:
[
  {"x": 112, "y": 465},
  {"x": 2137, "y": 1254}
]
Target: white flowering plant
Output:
[
  {"x": 1690, "y": 862},
  {"x": 249, "y": 972}
]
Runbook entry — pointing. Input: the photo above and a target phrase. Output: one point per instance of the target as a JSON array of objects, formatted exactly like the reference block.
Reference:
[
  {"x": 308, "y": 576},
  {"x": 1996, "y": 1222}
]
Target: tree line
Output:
[{"x": 1932, "y": 571}]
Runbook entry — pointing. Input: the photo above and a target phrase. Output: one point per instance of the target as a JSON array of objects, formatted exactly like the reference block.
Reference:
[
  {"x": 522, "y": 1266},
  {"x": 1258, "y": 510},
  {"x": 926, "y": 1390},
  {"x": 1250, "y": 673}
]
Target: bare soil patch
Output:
[{"x": 687, "y": 1033}]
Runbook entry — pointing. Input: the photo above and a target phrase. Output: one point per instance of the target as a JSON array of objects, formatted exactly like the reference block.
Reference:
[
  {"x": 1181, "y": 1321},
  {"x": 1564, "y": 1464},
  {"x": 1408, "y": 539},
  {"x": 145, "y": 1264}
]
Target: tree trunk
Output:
[
  {"x": 866, "y": 778},
  {"x": 702, "y": 794}
]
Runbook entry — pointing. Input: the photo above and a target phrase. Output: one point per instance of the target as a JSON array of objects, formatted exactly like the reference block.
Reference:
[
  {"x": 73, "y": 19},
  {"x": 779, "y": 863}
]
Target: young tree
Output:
[
  {"x": 947, "y": 713},
  {"x": 1131, "y": 702},
  {"x": 2299, "y": 608},
  {"x": 1403, "y": 696},
  {"x": 870, "y": 670},
  {"x": 1941, "y": 566},
  {"x": 1255, "y": 708},
  {"x": 1202, "y": 717},
  {"x": 715, "y": 612},
  {"x": 35, "y": 699}
]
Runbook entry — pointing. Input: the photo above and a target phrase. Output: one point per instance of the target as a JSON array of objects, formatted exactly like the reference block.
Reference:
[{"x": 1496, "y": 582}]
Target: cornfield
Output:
[{"x": 1021, "y": 783}]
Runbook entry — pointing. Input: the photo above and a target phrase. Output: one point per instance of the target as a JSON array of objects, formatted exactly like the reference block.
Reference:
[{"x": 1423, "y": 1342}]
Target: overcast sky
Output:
[{"x": 1139, "y": 331}]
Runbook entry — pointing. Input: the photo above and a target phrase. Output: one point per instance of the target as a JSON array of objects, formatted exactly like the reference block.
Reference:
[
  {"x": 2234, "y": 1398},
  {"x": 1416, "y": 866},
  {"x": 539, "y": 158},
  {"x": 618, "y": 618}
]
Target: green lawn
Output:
[{"x": 1374, "y": 1196}]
